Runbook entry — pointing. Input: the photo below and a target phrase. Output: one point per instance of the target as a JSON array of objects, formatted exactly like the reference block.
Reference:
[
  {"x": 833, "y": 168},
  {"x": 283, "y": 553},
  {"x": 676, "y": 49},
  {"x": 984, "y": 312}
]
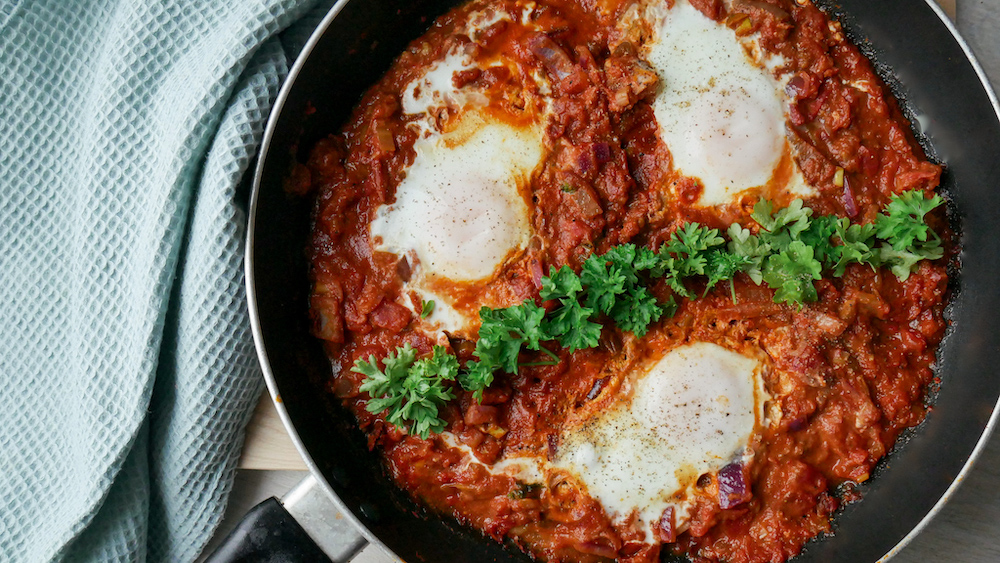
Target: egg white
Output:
[
  {"x": 688, "y": 413},
  {"x": 463, "y": 209},
  {"x": 694, "y": 411},
  {"x": 720, "y": 110},
  {"x": 460, "y": 210}
]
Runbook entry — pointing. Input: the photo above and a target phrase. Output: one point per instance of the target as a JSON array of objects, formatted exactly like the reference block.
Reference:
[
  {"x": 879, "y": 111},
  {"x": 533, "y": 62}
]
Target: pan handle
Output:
[{"x": 304, "y": 526}]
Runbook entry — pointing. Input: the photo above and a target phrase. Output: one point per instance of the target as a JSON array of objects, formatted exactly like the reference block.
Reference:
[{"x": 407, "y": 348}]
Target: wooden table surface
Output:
[{"x": 966, "y": 530}]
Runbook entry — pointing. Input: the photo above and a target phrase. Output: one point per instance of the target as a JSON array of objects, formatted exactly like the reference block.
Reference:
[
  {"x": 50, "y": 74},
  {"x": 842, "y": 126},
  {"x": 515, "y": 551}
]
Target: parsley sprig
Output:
[
  {"x": 789, "y": 251},
  {"x": 907, "y": 237},
  {"x": 411, "y": 390},
  {"x": 502, "y": 334}
]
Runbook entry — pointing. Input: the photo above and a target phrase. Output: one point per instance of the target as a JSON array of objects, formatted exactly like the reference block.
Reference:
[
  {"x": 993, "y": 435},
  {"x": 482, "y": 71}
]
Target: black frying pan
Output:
[{"x": 941, "y": 90}]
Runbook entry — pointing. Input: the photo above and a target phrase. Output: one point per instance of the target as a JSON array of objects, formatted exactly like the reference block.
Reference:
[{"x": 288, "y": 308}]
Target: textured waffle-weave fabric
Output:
[{"x": 127, "y": 370}]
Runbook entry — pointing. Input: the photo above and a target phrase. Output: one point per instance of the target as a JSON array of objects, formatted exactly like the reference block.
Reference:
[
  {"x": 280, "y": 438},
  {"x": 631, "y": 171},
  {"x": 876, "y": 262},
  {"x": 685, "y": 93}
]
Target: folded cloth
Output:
[{"x": 127, "y": 371}]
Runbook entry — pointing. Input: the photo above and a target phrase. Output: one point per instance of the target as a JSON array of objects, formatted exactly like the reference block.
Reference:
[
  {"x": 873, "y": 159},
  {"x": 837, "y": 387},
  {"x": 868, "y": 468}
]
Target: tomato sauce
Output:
[{"x": 850, "y": 371}]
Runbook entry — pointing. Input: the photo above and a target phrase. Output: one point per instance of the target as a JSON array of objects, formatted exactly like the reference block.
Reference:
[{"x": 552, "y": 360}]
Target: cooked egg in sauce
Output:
[
  {"x": 460, "y": 212},
  {"x": 463, "y": 209},
  {"x": 689, "y": 413},
  {"x": 694, "y": 411},
  {"x": 719, "y": 111}
]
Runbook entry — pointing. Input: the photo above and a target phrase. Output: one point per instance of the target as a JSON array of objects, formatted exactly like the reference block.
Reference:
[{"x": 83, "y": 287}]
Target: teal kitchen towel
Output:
[{"x": 127, "y": 370}]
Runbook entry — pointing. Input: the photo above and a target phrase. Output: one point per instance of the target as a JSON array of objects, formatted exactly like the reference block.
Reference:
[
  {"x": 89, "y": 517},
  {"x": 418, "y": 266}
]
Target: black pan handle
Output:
[
  {"x": 267, "y": 534},
  {"x": 305, "y": 527}
]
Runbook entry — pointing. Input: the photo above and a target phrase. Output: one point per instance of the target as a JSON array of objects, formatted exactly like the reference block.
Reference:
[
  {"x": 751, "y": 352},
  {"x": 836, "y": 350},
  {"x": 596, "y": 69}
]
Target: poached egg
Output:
[
  {"x": 720, "y": 110},
  {"x": 690, "y": 412},
  {"x": 463, "y": 210}
]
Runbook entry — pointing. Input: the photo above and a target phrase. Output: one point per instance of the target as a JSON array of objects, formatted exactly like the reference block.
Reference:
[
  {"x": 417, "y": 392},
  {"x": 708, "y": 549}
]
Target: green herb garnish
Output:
[
  {"x": 570, "y": 322},
  {"x": 502, "y": 333},
  {"x": 789, "y": 252},
  {"x": 427, "y": 309},
  {"x": 908, "y": 239},
  {"x": 411, "y": 390}
]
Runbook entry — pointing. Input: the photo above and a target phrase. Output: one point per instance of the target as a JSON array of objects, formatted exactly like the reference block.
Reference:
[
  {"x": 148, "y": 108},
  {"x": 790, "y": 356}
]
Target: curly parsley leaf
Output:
[
  {"x": 762, "y": 213},
  {"x": 560, "y": 284},
  {"x": 502, "y": 332},
  {"x": 904, "y": 262},
  {"x": 791, "y": 273},
  {"x": 671, "y": 270},
  {"x": 571, "y": 326},
  {"x": 721, "y": 266},
  {"x": 908, "y": 237},
  {"x": 785, "y": 226},
  {"x": 685, "y": 251},
  {"x": 606, "y": 281},
  {"x": 628, "y": 259},
  {"x": 569, "y": 323},
  {"x": 856, "y": 246},
  {"x": 751, "y": 248},
  {"x": 636, "y": 311},
  {"x": 692, "y": 239},
  {"x": 410, "y": 391},
  {"x": 817, "y": 236},
  {"x": 476, "y": 377},
  {"x": 613, "y": 286},
  {"x": 644, "y": 259},
  {"x": 684, "y": 255},
  {"x": 903, "y": 223},
  {"x": 383, "y": 384}
]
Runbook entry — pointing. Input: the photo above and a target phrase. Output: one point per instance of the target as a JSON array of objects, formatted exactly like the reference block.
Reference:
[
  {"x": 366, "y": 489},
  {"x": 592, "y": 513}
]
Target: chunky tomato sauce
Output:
[{"x": 849, "y": 372}]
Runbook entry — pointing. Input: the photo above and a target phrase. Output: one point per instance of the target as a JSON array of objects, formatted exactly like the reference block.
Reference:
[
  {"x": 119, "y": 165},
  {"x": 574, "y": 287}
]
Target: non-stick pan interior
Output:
[{"x": 939, "y": 87}]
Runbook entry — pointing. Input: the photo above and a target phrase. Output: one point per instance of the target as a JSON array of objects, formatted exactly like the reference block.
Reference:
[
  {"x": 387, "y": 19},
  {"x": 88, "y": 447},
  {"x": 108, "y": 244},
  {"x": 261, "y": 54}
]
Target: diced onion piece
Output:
[
  {"x": 621, "y": 98},
  {"x": 599, "y": 549},
  {"x": 733, "y": 489},
  {"x": 734, "y": 21},
  {"x": 850, "y": 205},
  {"x": 666, "y": 530},
  {"x": 329, "y": 326},
  {"x": 745, "y": 27},
  {"x": 536, "y": 273},
  {"x": 588, "y": 203},
  {"x": 496, "y": 431},
  {"x": 552, "y": 56},
  {"x": 585, "y": 161},
  {"x": 602, "y": 152},
  {"x": 383, "y": 135}
]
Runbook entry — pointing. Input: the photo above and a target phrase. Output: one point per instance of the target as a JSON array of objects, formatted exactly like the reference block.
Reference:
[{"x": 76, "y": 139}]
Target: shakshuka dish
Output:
[{"x": 618, "y": 280}]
